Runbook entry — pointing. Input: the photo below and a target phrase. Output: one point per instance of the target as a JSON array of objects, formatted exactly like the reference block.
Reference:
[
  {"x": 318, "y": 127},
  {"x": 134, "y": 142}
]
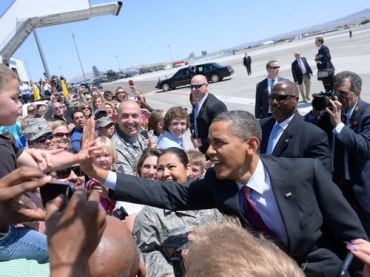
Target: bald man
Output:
[
  {"x": 127, "y": 140},
  {"x": 206, "y": 108},
  {"x": 117, "y": 253},
  {"x": 286, "y": 133}
]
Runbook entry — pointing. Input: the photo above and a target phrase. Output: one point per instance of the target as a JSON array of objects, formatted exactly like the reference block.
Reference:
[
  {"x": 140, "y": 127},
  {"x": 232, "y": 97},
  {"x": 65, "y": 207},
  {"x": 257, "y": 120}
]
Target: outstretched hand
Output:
[{"x": 12, "y": 186}]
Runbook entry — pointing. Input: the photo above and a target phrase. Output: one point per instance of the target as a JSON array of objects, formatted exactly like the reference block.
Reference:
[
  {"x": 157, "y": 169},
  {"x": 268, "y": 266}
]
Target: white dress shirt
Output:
[{"x": 263, "y": 195}]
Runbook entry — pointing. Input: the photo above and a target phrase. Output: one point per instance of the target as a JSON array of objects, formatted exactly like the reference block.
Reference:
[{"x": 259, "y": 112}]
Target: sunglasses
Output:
[
  {"x": 280, "y": 97},
  {"x": 86, "y": 108},
  {"x": 58, "y": 108},
  {"x": 44, "y": 138},
  {"x": 196, "y": 86},
  {"x": 274, "y": 67},
  {"x": 120, "y": 92},
  {"x": 64, "y": 173},
  {"x": 60, "y": 135}
]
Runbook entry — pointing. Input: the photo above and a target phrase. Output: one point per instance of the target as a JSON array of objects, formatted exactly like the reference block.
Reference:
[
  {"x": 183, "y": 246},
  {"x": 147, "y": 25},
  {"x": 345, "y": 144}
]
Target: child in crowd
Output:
[
  {"x": 106, "y": 161},
  {"x": 197, "y": 162}
]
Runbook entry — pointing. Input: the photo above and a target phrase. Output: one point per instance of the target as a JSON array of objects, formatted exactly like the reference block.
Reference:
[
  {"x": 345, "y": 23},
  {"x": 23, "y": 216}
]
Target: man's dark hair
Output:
[{"x": 243, "y": 124}]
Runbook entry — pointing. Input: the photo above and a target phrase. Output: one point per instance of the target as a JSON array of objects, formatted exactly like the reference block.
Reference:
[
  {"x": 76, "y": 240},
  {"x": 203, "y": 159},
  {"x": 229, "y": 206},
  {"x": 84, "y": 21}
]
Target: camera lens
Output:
[{"x": 320, "y": 103}]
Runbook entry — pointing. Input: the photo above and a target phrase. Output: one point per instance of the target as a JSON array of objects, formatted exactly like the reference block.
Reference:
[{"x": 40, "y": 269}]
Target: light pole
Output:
[
  {"x": 169, "y": 49},
  {"x": 78, "y": 55},
  {"x": 119, "y": 67},
  {"x": 60, "y": 71},
  {"x": 28, "y": 70}
]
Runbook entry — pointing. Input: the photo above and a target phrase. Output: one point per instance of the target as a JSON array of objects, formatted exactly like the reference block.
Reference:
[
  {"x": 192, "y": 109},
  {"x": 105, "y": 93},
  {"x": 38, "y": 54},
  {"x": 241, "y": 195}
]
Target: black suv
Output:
[{"x": 212, "y": 71}]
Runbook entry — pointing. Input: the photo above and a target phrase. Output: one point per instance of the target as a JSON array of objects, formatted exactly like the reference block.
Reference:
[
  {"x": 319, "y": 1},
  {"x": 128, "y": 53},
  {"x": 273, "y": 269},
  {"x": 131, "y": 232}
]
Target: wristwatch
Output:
[{"x": 4, "y": 233}]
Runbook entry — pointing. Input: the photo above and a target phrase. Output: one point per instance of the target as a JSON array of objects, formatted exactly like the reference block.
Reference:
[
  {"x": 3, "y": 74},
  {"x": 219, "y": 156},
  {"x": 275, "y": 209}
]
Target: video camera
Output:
[{"x": 320, "y": 100}]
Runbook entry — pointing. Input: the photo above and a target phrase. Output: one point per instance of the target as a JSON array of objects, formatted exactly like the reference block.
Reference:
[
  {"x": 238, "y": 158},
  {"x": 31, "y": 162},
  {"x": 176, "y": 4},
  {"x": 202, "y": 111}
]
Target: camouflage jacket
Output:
[
  {"x": 159, "y": 232},
  {"x": 128, "y": 151}
]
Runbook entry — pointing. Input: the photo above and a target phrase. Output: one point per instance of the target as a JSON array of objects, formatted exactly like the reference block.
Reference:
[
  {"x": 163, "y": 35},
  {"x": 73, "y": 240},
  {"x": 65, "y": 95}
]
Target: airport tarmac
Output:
[{"x": 238, "y": 91}]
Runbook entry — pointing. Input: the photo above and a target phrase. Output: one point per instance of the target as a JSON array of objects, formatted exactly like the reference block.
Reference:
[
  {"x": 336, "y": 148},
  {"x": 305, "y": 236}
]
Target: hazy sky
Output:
[{"x": 144, "y": 30}]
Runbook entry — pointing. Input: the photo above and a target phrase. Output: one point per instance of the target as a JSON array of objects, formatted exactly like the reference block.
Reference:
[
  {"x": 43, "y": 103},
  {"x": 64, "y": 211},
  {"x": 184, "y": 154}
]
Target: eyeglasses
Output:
[
  {"x": 280, "y": 97},
  {"x": 44, "y": 138},
  {"x": 64, "y": 173},
  {"x": 60, "y": 135},
  {"x": 58, "y": 108},
  {"x": 196, "y": 86},
  {"x": 274, "y": 67}
]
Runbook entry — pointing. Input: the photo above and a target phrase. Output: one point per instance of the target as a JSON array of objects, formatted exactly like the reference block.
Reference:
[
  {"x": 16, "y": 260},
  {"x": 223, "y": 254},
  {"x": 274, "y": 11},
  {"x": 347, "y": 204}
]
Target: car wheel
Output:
[
  {"x": 215, "y": 78},
  {"x": 165, "y": 87}
]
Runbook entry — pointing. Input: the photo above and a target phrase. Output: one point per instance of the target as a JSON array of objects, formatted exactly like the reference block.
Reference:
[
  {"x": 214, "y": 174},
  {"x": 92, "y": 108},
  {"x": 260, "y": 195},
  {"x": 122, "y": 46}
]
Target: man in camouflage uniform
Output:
[
  {"x": 127, "y": 140},
  {"x": 158, "y": 232}
]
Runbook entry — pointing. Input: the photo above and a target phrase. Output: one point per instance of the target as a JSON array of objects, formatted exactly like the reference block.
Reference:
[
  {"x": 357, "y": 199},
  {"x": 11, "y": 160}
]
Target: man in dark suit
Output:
[
  {"x": 294, "y": 138},
  {"x": 348, "y": 120},
  {"x": 247, "y": 62},
  {"x": 323, "y": 58},
  {"x": 302, "y": 72},
  {"x": 206, "y": 108},
  {"x": 263, "y": 89},
  {"x": 294, "y": 200}
]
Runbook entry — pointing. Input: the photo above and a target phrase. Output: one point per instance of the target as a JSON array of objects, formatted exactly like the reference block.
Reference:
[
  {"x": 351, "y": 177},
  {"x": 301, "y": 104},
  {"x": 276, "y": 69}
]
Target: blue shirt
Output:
[
  {"x": 167, "y": 140},
  {"x": 76, "y": 139}
]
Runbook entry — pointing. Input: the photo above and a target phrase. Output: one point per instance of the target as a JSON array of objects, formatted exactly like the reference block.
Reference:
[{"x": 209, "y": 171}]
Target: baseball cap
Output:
[
  {"x": 36, "y": 128},
  {"x": 100, "y": 113},
  {"x": 103, "y": 122}
]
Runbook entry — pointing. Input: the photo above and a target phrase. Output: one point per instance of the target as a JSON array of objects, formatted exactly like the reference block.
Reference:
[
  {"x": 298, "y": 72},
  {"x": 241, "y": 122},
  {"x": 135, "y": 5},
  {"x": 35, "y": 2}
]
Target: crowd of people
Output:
[{"x": 274, "y": 194}]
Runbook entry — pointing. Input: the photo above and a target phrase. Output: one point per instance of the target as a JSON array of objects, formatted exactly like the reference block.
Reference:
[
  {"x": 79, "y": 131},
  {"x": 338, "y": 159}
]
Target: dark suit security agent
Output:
[
  {"x": 264, "y": 88},
  {"x": 287, "y": 134},
  {"x": 205, "y": 110},
  {"x": 295, "y": 199},
  {"x": 302, "y": 73}
]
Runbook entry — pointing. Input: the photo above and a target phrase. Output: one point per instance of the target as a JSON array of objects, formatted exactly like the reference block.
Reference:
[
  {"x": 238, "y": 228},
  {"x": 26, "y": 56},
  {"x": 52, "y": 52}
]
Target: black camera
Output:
[
  {"x": 321, "y": 101},
  {"x": 120, "y": 213}
]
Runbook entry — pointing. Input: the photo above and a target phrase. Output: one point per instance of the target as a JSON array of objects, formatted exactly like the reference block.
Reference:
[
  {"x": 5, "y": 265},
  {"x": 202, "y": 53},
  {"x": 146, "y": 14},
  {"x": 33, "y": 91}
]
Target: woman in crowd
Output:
[
  {"x": 157, "y": 230},
  {"x": 98, "y": 102},
  {"x": 105, "y": 160},
  {"x": 147, "y": 164},
  {"x": 155, "y": 125},
  {"x": 111, "y": 111},
  {"x": 86, "y": 109},
  {"x": 175, "y": 123},
  {"x": 121, "y": 94},
  {"x": 62, "y": 135}
]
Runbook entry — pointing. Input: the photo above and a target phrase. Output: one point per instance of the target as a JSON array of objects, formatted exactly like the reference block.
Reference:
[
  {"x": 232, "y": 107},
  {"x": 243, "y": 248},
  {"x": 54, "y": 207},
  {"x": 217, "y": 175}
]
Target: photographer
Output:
[{"x": 346, "y": 122}]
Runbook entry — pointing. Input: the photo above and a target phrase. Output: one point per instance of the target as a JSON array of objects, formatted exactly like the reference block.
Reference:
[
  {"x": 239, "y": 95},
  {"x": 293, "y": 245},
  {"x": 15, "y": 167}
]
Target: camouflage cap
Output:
[
  {"x": 36, "y": 128},
  {"x": 103, "y": 122}
]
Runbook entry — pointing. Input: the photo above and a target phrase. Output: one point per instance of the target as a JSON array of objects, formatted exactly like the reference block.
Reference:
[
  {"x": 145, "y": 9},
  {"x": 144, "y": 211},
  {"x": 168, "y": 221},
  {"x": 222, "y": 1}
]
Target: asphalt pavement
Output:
[{"x": 238, "y": 90}]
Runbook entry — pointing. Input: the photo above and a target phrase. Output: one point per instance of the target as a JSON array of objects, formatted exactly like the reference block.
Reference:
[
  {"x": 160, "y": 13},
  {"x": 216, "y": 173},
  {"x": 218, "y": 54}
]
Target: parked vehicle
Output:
[{"x": 214, "y": 72}]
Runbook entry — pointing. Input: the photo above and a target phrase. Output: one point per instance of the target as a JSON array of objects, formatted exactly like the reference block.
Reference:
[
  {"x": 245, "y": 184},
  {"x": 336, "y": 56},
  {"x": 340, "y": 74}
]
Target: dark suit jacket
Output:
[
  {"x": 356, "y": 140},
  {"x": 317, "y": 218},
  {"x": 210, "y": 108},
  {"x": 247, "y": 61},
  {"x": 261, "y": 107},
  {"x": 297, "y": 72},
  {"x": 323, "y": 55},
  {"x": 300, "y": 139}
]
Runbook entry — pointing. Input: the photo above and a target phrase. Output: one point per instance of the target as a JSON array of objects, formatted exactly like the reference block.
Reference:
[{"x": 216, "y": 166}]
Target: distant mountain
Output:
[{"x": 351, "y": 19}]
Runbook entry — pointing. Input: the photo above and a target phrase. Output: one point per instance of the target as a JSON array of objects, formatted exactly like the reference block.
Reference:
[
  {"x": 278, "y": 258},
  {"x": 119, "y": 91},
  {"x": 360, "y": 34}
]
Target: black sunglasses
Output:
[
  {"x": 196, "y": 86},
  {"x": 280, "y": 97},
  {"x": 44, "y": 138},
  {"x": 64, "y": 173},
  {"x": 275, "y": 67}
]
